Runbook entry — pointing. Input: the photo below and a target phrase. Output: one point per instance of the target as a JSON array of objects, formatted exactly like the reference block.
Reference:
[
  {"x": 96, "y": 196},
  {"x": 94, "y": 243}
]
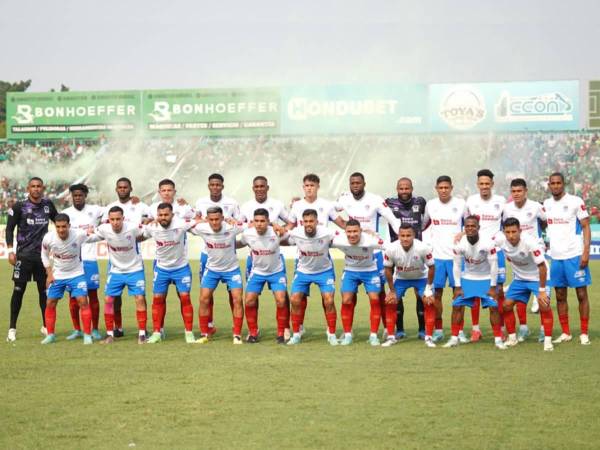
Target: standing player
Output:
[
  {"x": 409, "y": 264},
  {"x": 488, "y": 209},
  {"x": 532, "y": 217},
  {"x": 314, "y": 266},
  {"x": 126, "y": 269},
  {"x": 444, "y": 218},
  {"x": 267, "y": 267},
  {"x": 167, "y": 193},
  {"x": 65, "y": 272},
  {"x": 570, "y": 236},
  {"x": 222, "y": 265},
  {"x": 477, "y": 281},
  {"x": 410, "y": 210},
  {"x": 530, "y": 272},
  {"x": 30, "y": 217},
  {"x": 172, "y": 266},
  {"x": 82, "y": 217}
]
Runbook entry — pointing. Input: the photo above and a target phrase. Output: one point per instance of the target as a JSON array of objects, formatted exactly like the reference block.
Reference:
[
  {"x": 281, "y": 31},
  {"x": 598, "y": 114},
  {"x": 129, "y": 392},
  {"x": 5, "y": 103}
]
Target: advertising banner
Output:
[
  {"x": 519, "y": 106},
  {"x": 594, "y": 104},
  {"x": 349, "y": 109},
  {"x": 63, "y": 115}
]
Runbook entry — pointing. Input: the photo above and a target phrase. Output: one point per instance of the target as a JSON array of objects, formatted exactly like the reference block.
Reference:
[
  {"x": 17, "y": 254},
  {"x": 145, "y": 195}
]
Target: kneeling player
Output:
[
  {"x": 65, "y": 274},
  {"x": 360, "y": 268},
  {"x": 477, "y": 281},
  {"x": 530, "y": 272},
  {"x": 414, "y": 268}
]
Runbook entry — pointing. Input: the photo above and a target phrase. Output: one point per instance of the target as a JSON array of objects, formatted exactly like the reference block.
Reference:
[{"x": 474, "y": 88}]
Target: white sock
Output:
[
  {"x": 523, "y": 328},
  {"x": 512, "y": 336},
  {"x": 498, "y": 340},
  {"x": 547, "y": 339},
  {"x": 142, "y": 332},
  {"x": 211, "y": 325},
  {"x": 454, "y": 338},
  {"x": 439, "y": 330},
  {"x": 476, "y": 328},
  {"x": 348, "y": 334},
  {"x": 110, "y": 333}
]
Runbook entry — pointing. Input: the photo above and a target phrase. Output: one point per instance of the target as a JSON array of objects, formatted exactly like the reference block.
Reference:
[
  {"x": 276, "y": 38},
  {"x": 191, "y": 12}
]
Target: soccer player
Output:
[
  {"x": 167, "y": 193},
  {"x": 172, "y": 266},
  {"x": 477, "y": 281},
  {"x": 409, "y": 264},
  {"x": 65, "y": 272},
  {"x": 314, "y": 266},
  {"x": 360, "y": 268},
  {"x": 267, "y": 268},
  {"x": 222, "y": 265},
  {"x": 30, "y": 218},
  {"x": 532, "y": 217},
  {"x": 569, "y": 233},
  {"x": 530, "y": 272},
  {"x": 444, "y": 218},
  {"x": 488, "y": 208},
  {"x": 126, "y": 269},
  {"x": 409, "y": 210},
  {"x": 83, "y": 216}
]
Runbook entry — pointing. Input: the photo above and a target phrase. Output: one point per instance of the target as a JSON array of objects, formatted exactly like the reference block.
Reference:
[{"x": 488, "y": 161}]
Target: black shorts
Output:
[{"x": 27, "y": 269}]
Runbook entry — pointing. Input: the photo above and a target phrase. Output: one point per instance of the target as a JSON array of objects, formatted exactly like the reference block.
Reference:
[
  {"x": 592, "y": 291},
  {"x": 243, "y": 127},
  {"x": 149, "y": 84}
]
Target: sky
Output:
[{"x": 104, "y": 45}]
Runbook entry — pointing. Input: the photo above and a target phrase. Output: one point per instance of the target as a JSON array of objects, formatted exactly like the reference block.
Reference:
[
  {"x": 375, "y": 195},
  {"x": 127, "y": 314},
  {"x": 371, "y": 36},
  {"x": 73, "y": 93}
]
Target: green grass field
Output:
[{"x": 178, "y": 396}]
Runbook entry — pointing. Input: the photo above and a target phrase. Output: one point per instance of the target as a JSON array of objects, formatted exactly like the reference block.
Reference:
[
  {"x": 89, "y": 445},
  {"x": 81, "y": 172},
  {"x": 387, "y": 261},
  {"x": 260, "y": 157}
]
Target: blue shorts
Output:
[
  {"x": 76, "y": 287},
  {"x": 92, "y": 274},
  {"x": 325, "y": 280},
  {"x": 276, "y": 282},
  {"x": 116, "y": 282},
  {"x": 351, "y": 279},
  {"x": 378, "y": 257},
  {"x": 181, "y": 278},
  {"x": 443, "y": 272},
  {"x": 475, "y": 289},
  {"x": 566, "y": 273},
  {"x": 521, "y": 290},
  {"x": 249, "y": 265},
  {"x": 203, "y": 259},
  {"x": 501, "y": 279},
  {"x": 211, "y": 279},
  {"x": 401, "y": 286}
]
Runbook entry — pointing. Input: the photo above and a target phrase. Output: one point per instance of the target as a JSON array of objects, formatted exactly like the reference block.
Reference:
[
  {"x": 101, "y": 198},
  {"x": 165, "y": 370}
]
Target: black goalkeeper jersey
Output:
[{"x": 31, "y": 221}]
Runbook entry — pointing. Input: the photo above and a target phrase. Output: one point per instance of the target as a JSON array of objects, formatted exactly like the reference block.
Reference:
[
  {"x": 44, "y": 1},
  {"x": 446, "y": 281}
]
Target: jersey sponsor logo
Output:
[
  {"x": 236, "y": 278},
  {"x": 46, "y": 209},
  {"x": 583, "y": 208},
  {"x": 537, "y": 253},
  {"x": 11, "y": 212},
  {"x": 330, "y": 282},
  {"x": 415, "y": 208},
  {"x": 493, "y": 251},
  {"x": 186, "y": 280},
  {"x": 429, "y": 256},
  {"x": 140, "y": 283},
  {"x": 82, "y": 285}
]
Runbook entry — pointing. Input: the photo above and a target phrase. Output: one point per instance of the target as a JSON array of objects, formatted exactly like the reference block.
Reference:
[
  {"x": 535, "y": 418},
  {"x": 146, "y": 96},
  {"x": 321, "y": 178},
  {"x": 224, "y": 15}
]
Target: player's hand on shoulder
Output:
[
  {"x": 135, "y": 200},
  {"x": 458, "y": 237},
  {"x": 182, "y": 201}
]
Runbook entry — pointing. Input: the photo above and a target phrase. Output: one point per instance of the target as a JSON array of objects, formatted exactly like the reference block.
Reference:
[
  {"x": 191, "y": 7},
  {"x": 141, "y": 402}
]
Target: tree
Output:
[
  {"x": 5, "y": 86},
  {"x": 63, "y": 88}
]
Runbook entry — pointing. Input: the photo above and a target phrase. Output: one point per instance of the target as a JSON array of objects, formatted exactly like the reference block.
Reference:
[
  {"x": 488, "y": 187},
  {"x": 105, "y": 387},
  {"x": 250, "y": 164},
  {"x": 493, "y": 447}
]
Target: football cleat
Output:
[
  {"x": 141, "y": 339},
  {"x": 332, "y": 339},
  {"x": 462, "y": 338},
  {"x": 252, "y": 339},
  {"x": 374, "y": 340},
  {"x": 189, "y": 337},
  {"x": 50, "y": 339},
  {"x": 280, "y": 340},
  {"x": 421, "y": 335},
  {"x": 584, "y": 339},
  {"x": 107, "y": 340},
  {"x": 452, "y": 342},
  {"x": 75, "y": 334},
  {"x": 523, "y": 334},
  {"x": 87, "y": 339},
  {"x": 399, "y": 335},
  {"x": 237, "y": 340},
  {"x": 12, "y": 335},
  {"x": 295, "y": 339},
  {"x": 512, "y": 341},
  {"x": 346, "y": 340},
  {"x": 154, "y": 338},
  {"x": 96, "y": 335},
  {"x": 202, "y": 339},
  {"x": 391, "y": 340},
  {"x": 438, "y": 335},
  {"x": 548, "y": 347},
  {"x": 562, "y": 338},
  {"x": 476, "y": 335},
  {"x": 541, "y": 336},
  {"x": 119, "y": 333},
  {"x": 429, "y": 342},
  {"x": 500, "y": 345}
]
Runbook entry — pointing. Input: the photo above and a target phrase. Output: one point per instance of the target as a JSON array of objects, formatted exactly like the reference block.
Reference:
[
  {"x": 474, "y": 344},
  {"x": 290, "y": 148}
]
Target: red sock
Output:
[
  {"x": 497, "y": 330},
  {"x": 547, "y": 321},
  {"x": 475, "y": 311},
  {"x": 429, "y": 312},
  {"x": 86, "y": 319},
  {"x": 347, "y": 312},
  {"x": 203, "y": 321},
  {"x": 252, "y": 319},
  {"x": 211, "y": 307},
  {"x": 238, "y": 322},
  {"x": 95, "y": 307},
  {"x": 296, "y": 322},
  {"x": 584, "y": 324},
  {"x": 74, "y": 310},
  {"x": 564, "y": 323},
  {"x": 509, "y": 321},
  {"x": 331, "y": 318},
  {"x": 382, "y": 308},
  {"x": 187, "y": 311},
  {"x": 50, "y": 316},
  {"x": 163, "y": 311},
  {"x": 158, "y": 304},
  {"x": 303, "y": 305},
  {"x": 391, "y": 314},
  {"x": 375, "y": 315},
  {"x": 109, "y": 313},
  {"x": 455, "y": 328},
  {"x": 522, "y": 313},
  {"x": 142, "y": 318},
  {"x": 439, "y": 324},
  {"x": 283, "y": 319}
]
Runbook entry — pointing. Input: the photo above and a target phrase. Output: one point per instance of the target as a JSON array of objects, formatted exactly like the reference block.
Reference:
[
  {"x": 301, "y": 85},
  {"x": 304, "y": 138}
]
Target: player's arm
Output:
[
  {"x": 388, "y": 270},
  {"x": 543, "y": 273},
  {"x": 426, "y": 218},
  {"x": 428, "y": 292},
  {"x": 53, "y": 211},
  {"x": 456, "y": 272},
  {"x": 46, "y": 261},
  {"x": 587, "y": 240},
  {"x": 386, "y": 212},
  {"x": 14, "y": 217}
]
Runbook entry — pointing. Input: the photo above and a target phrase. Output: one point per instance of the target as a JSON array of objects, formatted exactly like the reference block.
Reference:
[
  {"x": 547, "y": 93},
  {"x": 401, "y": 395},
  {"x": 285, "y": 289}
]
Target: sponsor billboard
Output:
[
  {"x": 349, "y": 109},
  {"x": 518, "y": 106},
  {"x": 211, "y": 112},
  {"x": 57, "y": 115},
  {"x": 594, "y": 104}
]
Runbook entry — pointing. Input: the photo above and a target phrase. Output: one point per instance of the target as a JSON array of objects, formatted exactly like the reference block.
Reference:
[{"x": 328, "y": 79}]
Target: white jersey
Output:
[
  {"x": 325, "y": 211},
  {"x": 358, "y": 257},
  {"x": 489, "y": 213},
  {"x": 367, "y": 210},
  {"x": 66, "y": 255},
  {"x": 564, "y": 227},
  {"x": 481, "y": 260},
  {"x": 180, "y": 211},
  {"x": 220, "y": 246},
  {"x": 230, "y": 207},
  {"x": 313, "y": 252},
  {"x": 264, "y": 251},
  {"x": 123, "y": 248},
  {"x": 409, "y": 265},
  {"x": 171, "y": 249},
  {"x": 529, "y": 217},
  {"x": 524, "y": 257},
  {"x": 445, "y": 222},
  {"x": 88, "y": 216},
  {"x": 276, "y": 210},
  {"x": 132, "y": 213}
]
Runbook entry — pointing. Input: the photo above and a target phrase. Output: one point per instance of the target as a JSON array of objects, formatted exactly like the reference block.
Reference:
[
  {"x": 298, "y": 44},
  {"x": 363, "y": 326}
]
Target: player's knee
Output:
[
  {"x": 251, "y": 302},
  {"x": 507, "y": 306}
]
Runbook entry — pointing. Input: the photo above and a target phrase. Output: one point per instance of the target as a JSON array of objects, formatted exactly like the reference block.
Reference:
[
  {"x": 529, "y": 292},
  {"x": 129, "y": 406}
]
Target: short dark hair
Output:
[
  {"x": 62, "y": 217},
  {"x": 353, "y": 223},
  {"x": 214, "y": 210},
  {"x": 261, "y": 212},
  {"x": 312, "y": 178},
  {"x": 310, "y": 212},
  {"x": 216, "y": 176},
  {"x": 406, "y": 226},
  {"x": 164, "y": 205},
  {"x": 358, "y": 175},
  {"x": 79, "y": 187},
  {"x": 260, "y": 178},
  {"x": 124, "y": 179},
  {"x": 472, "y": 217},
  {"x": 485, "y": 173},
  {"x": 511, "y": 222},
  {"x": 557, "y": 174},
  {"x": 35, "y": 179},
  {"x": 115, "y": 209},
  {"x": 518, "y": 182},
  {"x": 405, "y": 179},
  {"x": 166, "y": 182},
  {"x": 443, "y": 179}
]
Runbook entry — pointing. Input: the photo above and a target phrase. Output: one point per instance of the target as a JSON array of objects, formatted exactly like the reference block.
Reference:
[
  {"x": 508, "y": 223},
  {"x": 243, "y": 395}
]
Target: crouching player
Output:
[
  {"x": 65, "y": 273},
  {"x": 360, "y": 268},
  {"x": 126, "y": 270},
  {"x": 477, "y": 281},
  {"x": 530, "y": 272},
  {"x": 409, "y": 264}
]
